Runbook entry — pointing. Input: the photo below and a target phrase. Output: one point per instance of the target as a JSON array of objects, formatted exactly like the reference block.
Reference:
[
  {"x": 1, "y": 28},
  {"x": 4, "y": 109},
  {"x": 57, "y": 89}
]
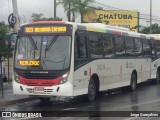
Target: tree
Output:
[
  {"x": 39, "y": 17},
  {"x": 83, "y": 7},
  {"x": 155, "y": 29},
  {"x": 5, "y": 52},
  {"x": 51, "y": 19},
  {"x": 69, "y": 8},
  {"x": 77, "y": 7},
  {"x": 36, "y": 17}
]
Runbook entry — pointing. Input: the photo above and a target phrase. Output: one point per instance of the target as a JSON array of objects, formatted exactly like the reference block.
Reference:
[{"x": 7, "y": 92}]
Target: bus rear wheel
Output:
[
  {"x": 92, "y": 90},
  {"x": 133, "y": 84}
]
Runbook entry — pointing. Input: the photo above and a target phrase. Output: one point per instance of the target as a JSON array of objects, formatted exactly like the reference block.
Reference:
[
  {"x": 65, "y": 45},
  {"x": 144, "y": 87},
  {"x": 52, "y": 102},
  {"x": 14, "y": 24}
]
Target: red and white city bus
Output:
[{"x": 72, "y": 59}]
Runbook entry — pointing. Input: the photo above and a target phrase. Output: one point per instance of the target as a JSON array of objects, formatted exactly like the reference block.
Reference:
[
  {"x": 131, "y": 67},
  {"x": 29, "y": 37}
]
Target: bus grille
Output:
[
  {"x": 39, "y": 76},
  {"x": 39, "y": 82}
]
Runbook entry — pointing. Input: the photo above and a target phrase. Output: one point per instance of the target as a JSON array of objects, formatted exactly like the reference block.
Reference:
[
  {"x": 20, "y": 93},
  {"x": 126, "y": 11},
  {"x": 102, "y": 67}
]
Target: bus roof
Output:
[
  {"x": 156, "y": 36},
  {"x": 98, "y": 27},
  {"x": 45, "y": 22}
]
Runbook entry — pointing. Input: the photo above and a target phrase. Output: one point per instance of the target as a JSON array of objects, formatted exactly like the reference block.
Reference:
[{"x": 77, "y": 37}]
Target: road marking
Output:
[
  {"x": 64, "y": 118},
  {"x": 135, "y": 105},
  {"x": 132, "y": 118},
  {"x": 28, "y": 118},
  {"x": 69, "y": 109}
]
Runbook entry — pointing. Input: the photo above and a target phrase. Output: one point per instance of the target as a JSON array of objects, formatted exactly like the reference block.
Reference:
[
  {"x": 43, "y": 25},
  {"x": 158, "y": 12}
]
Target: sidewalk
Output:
[{"x": 9, "y": 97}]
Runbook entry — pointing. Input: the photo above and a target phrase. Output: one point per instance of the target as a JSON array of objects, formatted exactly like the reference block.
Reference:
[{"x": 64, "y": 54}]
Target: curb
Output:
[{"x": 9, "y": 102}]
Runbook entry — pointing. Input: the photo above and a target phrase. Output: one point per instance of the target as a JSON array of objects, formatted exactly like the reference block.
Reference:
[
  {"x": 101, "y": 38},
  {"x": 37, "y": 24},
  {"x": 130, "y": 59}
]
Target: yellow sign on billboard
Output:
[{"x": 121, "y": 18}]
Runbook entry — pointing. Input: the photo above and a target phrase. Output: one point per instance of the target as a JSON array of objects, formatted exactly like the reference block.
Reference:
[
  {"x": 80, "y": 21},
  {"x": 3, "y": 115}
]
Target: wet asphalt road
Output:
[{"x": 145, "y": 98}]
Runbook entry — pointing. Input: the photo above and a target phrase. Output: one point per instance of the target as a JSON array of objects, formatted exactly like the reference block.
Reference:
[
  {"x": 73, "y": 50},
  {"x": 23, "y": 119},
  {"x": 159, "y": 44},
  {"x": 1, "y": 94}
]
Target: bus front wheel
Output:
[
  {"x": 91, "y": 90},
  {"x": 133, "y": 84}
]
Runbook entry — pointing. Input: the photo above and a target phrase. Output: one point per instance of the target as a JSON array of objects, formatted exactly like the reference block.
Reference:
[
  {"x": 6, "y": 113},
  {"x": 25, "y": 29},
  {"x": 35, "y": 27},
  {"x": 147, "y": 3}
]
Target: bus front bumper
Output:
[{"x": 65, "y": 89}]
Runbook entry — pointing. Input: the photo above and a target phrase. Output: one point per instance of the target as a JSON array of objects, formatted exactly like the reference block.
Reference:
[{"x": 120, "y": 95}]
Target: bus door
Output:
[
  {"x": 81, "y": 74},
  {"x": 146, "y": 64},
  {"x": 154, "y": 61}
]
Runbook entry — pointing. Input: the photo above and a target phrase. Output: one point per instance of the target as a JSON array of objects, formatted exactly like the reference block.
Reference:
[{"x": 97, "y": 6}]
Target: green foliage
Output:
[
  {"x": 155, "y": 29},
  {"x": 39, "y": 17},
  {"x": 36, "y": 17},
  {"x": 5, "y": 52},
  {"x": 77, "y": 7}
]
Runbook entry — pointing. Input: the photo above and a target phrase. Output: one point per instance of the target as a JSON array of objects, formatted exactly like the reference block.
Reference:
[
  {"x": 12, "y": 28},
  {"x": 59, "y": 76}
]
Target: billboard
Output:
[{"x": 121, "y": 18}]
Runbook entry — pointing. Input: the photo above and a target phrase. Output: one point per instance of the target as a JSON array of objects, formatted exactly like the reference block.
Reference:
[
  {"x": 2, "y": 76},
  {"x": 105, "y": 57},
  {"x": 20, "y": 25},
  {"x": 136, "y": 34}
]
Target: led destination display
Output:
[{"x": 47, "y": 29}]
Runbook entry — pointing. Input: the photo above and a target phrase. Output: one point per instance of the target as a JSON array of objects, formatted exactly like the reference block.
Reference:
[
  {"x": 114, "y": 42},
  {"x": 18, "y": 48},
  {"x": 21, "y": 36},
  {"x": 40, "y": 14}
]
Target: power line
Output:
[
  {"x": 141, "y": 16},
  {"x": 114, "y": 8}
]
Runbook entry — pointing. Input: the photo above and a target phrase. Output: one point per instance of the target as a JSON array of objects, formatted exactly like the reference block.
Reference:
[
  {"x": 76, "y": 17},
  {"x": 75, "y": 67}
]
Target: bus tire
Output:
[
  {"x": 133, "y": 84},
  {"x": 92, "y": 90},
  {"x": 44, "y": 99},
  {"x": 158, "y": 77}
]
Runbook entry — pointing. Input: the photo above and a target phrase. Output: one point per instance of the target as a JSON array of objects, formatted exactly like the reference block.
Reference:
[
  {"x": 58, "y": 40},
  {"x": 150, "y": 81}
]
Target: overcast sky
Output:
[{"x": 27, "y": 7}]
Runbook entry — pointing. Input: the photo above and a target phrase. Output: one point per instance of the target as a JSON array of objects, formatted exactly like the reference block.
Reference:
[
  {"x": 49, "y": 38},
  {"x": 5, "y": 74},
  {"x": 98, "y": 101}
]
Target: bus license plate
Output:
[{"x": 39, "y": 89}]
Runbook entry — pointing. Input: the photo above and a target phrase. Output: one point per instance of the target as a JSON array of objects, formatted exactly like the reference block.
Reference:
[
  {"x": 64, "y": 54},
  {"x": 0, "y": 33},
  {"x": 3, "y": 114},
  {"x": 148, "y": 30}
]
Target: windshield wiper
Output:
[
  {"x": 33, "y": 43},
  {"x": 51, "y": 43}
]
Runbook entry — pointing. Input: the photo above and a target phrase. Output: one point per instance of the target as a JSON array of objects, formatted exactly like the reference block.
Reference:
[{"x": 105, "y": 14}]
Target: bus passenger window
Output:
[
  {"x": 153, "y": 49},
  {"x": 75, "y": 48},
  {"x": 120, "y": 46},
  {"x": 158, "y": 49},
  {"x": 82, "y": 47},
  {"x": 95, "y": 45},
  {"x": 138, "y": 47},
  {"x": 108, "y": 46},
  {"x": 129, "y": 46},
  {"x": 146, "y": 48}
]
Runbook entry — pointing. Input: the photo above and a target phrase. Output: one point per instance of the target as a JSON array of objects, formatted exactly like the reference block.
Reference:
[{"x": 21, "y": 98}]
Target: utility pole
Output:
[
  {"x": 150, "y": 16},
  {"x": 69, "y": 16},
  {"x": 15, "y": 13},
  {"x": 55, "y": 9}
]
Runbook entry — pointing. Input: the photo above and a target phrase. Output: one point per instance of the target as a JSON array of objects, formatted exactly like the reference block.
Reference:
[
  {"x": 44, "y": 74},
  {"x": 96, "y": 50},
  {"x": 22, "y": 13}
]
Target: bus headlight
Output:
[
  {"x": 64, "y": 78},
  {"x": 16, "y": 77}
]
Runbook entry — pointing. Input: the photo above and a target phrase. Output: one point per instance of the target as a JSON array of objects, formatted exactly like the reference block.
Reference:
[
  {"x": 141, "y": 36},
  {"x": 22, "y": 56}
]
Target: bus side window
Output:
[
  {"x": 75, "y": 47},
  {"x": 129, "y": 46},
  {"x": 108, "y": 46},
  {"x": 138, "y": 47},
  {"x": 146, "y": 48},
  {"x": 82, "y": 47},
  {"x": 158, "y": 49},
  {"x": 119, "y": 46},
  {"x": 153, "y": 50},
  {"x": 95, "y": 45}
]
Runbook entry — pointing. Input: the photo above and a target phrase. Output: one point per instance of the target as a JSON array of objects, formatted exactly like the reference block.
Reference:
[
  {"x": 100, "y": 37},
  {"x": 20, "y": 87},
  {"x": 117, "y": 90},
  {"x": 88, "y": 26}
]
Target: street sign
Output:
[{"x": 12, "y": 20}]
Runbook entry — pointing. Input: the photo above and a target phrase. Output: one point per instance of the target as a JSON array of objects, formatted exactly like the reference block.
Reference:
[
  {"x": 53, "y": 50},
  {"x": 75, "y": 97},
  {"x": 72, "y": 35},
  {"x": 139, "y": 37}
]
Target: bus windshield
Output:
[{"x": 43, "y": 52}]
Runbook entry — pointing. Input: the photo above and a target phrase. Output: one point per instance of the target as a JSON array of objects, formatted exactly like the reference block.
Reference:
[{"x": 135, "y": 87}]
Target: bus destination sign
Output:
[
  {"x": 46, "y": 29},
  {"x": 29, "y": 63}
]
